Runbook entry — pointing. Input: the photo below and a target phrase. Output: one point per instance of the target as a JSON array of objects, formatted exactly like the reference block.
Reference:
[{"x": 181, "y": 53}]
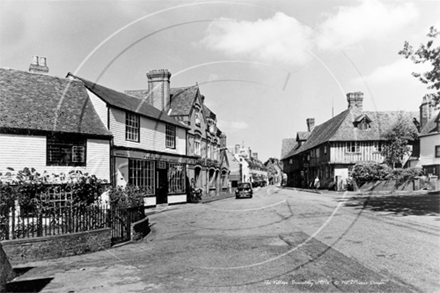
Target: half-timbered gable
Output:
[{"x": 333, "y": 147}]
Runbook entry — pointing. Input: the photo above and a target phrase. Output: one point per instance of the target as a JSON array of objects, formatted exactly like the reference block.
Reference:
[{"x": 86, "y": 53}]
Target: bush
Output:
[
  {"x": 368, "y": 172},
  {"x": 126, "y": 197}
]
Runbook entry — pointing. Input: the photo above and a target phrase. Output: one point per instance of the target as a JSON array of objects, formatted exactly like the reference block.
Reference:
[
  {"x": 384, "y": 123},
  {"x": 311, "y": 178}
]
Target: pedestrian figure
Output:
[{"x": 317, "y": 183}]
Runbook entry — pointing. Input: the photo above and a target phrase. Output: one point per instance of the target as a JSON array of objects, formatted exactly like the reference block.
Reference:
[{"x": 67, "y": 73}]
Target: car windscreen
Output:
[{"x": 244, "y": 185}]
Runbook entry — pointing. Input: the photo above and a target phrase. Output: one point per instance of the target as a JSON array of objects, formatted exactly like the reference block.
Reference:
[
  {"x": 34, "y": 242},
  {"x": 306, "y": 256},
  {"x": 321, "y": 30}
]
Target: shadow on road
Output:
[
  {"x": 35, "y": 285},
  {"x": 408, "y": 204}
]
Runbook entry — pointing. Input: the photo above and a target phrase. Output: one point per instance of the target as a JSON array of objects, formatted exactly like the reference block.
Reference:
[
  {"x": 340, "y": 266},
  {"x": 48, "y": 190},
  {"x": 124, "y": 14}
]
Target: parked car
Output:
[{"x": 244, "y": 190}]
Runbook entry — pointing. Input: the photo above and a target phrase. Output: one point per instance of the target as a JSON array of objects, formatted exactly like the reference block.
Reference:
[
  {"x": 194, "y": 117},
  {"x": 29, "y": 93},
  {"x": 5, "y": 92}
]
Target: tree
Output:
[
  {"x": 398, "y": 137},
  {"x": 426, "y": 53}
]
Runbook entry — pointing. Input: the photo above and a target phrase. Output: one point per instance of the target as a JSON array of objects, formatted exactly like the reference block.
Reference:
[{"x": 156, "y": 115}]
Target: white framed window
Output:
[
  {"x": 170, "y": 136},
  {"x": 141, "y": 173},
  {"x": 132, "y": 127},
  {"x": 437, "y": 151},
  {"x": 378, "y": 146},
  {"x": 65, "y": 150},
  {"x": 176, "y": 178}
]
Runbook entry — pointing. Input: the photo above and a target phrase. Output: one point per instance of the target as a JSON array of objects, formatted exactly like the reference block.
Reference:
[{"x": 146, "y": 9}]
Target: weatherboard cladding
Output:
[
  {"x": 341, "y": 128},
  {"x": 37, "y": 102},
  {"x": 127, "y": 102}
]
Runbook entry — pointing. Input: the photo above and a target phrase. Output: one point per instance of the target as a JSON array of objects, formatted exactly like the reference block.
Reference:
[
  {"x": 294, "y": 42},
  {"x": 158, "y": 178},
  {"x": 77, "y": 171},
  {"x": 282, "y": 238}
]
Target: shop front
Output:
[{"x": 162, "y": 177}]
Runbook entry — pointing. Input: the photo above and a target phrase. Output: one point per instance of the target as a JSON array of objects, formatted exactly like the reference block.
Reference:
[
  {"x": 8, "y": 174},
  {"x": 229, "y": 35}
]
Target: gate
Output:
[{"x": 121, "y": 220}]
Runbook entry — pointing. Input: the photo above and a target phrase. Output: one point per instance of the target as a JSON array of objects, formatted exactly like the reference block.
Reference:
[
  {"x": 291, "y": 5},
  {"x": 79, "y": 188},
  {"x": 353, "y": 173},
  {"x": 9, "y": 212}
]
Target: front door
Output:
[{"x": 161, "y": 183}]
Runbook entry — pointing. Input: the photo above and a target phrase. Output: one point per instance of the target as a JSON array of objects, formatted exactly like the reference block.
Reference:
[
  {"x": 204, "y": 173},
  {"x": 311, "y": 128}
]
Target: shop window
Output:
[
  {"x": 132, "y": 129},
  {"x": 176, "y": 178},
  {"x": 141, "y": 174},
  {"x": 65, "y": 150}
]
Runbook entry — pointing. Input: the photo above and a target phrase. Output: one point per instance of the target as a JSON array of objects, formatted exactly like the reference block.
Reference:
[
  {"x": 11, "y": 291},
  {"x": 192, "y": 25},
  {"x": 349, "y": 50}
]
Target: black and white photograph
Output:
[{"x": 219, "y": 146}]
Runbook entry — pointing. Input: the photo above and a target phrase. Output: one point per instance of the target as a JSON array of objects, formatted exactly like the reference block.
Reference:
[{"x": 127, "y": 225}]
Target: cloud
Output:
[
  {"x": 371, "y": 19},
  {"x": 231, "y": 126},
  {"x": 277, "y": 39},
  {"x": 398, "y": 71}
]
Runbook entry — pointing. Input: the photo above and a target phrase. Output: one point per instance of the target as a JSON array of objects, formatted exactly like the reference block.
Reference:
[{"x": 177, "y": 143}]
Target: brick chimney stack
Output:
[
  {"x": 159, "y": 89},
  {"x": 39, "y": 65},
  {"x": 310, "y": 124},
  {"x": 355, "y": 100}
]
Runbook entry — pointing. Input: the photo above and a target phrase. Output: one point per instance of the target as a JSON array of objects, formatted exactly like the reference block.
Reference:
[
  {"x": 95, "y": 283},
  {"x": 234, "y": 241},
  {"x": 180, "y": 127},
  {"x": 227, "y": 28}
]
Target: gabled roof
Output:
[
  {"x": 127, "y": 102},
  {"x": 30, "y": 101},
  {"x": 341, "y": 128},
  {"x": 431, "y": 126},
  {"x": 182, "y": 100},
  {"x": 287, "y": 145}
]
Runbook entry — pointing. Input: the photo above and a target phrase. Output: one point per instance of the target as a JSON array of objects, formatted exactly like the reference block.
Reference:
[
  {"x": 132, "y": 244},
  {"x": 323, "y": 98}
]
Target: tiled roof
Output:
[
  {"x": 287, "y": 146},
  {"x": 431, "y": 126},
  {"x": 209, "y": 113},
  {"x": 127, "y": 102},
  {"x": 341, "y": 128},
  {"x": 182, "y": 100},
  {"x": 30, "y": 101},
  {"x": 302, "y": 135}
]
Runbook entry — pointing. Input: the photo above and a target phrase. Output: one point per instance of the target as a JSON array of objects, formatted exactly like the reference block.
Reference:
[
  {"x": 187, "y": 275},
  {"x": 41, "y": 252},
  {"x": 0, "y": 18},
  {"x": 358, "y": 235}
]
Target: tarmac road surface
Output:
[{"x": 281, "y": 240}]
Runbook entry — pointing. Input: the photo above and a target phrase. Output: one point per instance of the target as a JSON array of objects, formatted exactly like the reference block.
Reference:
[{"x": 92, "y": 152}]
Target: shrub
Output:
[
  {"x": 126, "y": 197},
  {"x": 367, "y": 172}
]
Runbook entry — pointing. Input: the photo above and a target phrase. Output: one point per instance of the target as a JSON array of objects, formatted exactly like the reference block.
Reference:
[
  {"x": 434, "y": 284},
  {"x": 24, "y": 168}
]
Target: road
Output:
[{"x": 281, "y": 240}]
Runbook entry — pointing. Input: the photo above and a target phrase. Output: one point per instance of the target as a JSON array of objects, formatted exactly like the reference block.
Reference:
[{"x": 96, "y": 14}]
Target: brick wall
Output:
[
  {"x": 21, "y": 251},
  {"x": 140, "y": 229}
]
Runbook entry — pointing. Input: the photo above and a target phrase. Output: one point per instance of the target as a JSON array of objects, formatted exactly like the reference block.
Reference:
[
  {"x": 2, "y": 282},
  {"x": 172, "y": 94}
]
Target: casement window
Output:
[
  {"x": 141, "y": 174},
  {"x": 176, "y": 178},
  {"x": 437, "y": 151},
  {"x": 132, "y": 127},
  {"x": 197, "y": 119},
  {"x": 170, "y": 136},
  {"x": 353, "y": 147},
  {"x": 325, "y": 150},
  {"x": 66, "y": 150}
]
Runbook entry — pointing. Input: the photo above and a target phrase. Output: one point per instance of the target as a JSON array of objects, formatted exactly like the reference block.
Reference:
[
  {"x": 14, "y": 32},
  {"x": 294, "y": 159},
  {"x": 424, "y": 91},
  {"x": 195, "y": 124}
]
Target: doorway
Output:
[{"x": 162, "y": 182}]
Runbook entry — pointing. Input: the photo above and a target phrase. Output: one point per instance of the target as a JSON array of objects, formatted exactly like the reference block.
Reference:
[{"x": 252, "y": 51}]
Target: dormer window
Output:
[{"x": 362, "y": 122}]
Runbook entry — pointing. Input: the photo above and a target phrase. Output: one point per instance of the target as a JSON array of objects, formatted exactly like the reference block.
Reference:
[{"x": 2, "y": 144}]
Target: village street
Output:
[{"x": 281, "y": 240}]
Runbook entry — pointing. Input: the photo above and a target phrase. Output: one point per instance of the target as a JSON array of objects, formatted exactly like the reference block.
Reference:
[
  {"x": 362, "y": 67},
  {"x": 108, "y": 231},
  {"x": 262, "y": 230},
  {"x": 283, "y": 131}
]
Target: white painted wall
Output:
[
  {"x": 152, "y": 134},
  {"x": 19, "y": 151},
  {"x": 427, "y": 150}
]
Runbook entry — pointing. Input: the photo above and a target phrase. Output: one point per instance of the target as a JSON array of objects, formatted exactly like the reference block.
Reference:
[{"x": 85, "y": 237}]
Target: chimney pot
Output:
[{"x": 38, "y": 65}]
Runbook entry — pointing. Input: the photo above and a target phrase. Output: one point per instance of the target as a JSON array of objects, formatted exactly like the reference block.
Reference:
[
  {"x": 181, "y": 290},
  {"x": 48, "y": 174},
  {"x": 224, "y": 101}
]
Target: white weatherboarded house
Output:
[
  {"x": 49, "y": 123},
  {"x": 148, "y": 148}
]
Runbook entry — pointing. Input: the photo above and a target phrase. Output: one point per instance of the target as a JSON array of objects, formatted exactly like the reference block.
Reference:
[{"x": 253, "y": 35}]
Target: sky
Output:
[{"x": 264, "y": 67}]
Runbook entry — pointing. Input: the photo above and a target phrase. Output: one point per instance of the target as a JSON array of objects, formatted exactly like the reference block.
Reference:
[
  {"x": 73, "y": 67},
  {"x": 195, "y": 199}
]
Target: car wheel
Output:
[{"x": 251, "y": 196}]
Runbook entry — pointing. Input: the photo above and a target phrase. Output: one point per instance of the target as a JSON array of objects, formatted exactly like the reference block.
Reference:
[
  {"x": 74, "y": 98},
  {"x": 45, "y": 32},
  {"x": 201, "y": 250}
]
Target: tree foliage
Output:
[
  {"x": 398, "y": 138},
  {"x": 426, "y": 53}
]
